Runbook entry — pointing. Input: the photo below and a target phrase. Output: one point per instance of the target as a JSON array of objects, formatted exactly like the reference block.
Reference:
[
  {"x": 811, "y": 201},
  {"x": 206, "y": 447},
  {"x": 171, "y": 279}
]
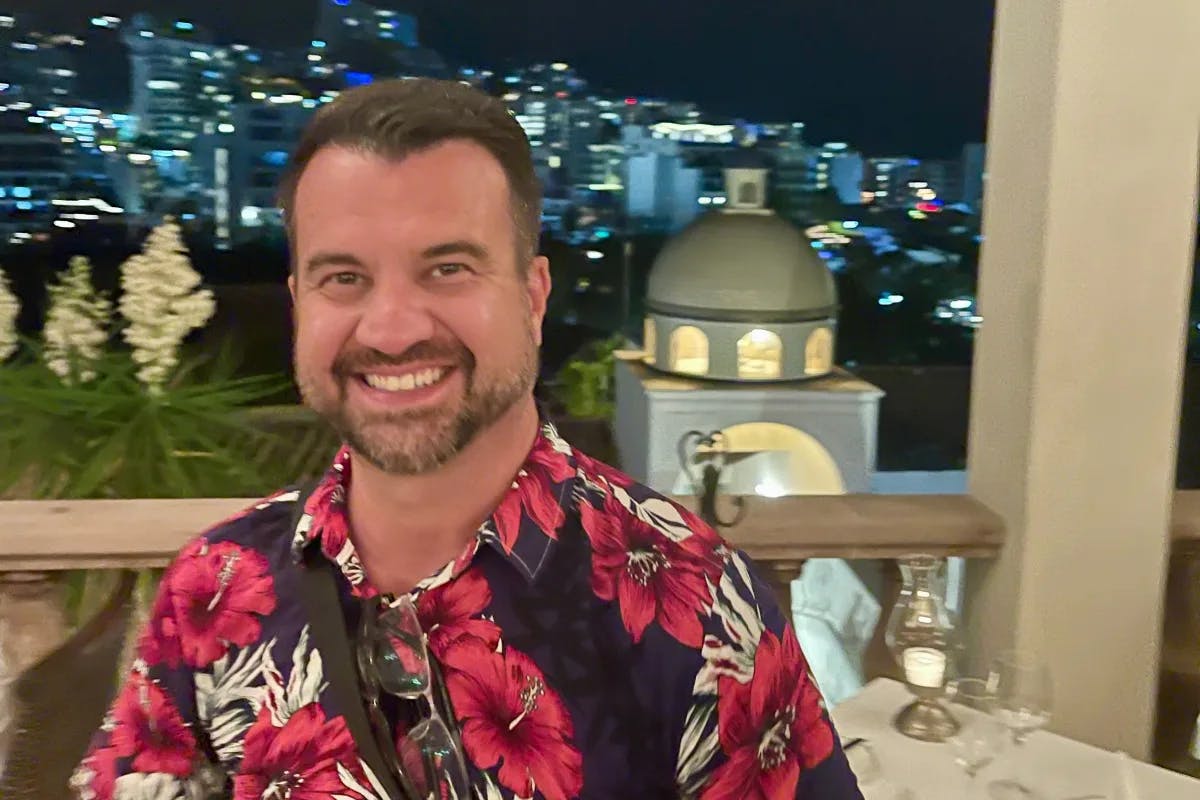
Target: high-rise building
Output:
[
  {"x": 789, "y": 166},
  {"x": 181, "y": 83},
  {"x": 362, "y": 42},
  {"x": 661, "y": 191},
  {"x": 242, "y": 163},
  {"x": 974, "y": 175},
  {"x": 37, "y": 68},
  {"x": 886, "y": 184},
  {"x": 35, "y": 168},
  {"x": 342, "y": 21},
  {"x": 845, "y": 177},
  {"x": 561, "y": 119}
]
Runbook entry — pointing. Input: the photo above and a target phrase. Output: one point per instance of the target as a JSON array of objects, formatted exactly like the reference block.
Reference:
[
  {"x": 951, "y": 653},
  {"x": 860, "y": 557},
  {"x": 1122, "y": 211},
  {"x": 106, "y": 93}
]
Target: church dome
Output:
[
  {"x": 740, "y": 295},
  {"x": 739, "y": 266}
]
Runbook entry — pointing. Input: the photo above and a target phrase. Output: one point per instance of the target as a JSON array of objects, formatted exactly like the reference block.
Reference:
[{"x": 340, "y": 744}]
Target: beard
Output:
[{"x": 419, "y": 441}]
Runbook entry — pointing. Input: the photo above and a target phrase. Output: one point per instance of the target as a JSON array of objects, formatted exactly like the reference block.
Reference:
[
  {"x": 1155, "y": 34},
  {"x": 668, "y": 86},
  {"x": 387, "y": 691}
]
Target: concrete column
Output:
[{"x": 1090, "y": 215}]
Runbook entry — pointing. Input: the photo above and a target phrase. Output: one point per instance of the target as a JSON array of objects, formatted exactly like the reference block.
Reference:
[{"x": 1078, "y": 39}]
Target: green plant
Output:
[
  {"x": 109, "y": 437},
  {"x": 584, "y": 386}
]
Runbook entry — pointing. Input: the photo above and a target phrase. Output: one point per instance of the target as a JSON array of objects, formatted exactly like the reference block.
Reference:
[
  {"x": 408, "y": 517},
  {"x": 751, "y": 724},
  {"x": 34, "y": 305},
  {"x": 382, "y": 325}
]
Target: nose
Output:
[{"x": 396, "y": 316}]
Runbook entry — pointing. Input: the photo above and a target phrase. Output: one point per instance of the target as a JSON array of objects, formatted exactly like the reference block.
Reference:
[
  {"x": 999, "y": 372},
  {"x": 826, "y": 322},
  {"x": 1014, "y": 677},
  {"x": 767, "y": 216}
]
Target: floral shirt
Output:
[{"x": 663, "y": 665}]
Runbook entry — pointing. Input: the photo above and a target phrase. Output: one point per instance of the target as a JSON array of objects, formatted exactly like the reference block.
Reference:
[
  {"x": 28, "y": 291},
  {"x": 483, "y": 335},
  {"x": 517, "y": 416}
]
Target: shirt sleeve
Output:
[
  {"x": 150, "y": 744},
  {"x": 758, "y": 726}
]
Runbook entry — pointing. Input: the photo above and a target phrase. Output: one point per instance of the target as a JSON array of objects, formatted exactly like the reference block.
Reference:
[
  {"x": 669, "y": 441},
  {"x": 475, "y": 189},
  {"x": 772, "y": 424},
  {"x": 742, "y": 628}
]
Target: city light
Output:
[
  {"x": 889, "y": 299},
  {"x": 318, "y": 43},
  {"x": 225, "y": 127},
  {"x": 184, "y": 25},
  {"x": 200, "y": 55},
  {"x": 63, "y": 223},
  {"x": 139, "y": 158},
  {"x": 594, "y": 255},
  {"x": 281, "y": 99}
]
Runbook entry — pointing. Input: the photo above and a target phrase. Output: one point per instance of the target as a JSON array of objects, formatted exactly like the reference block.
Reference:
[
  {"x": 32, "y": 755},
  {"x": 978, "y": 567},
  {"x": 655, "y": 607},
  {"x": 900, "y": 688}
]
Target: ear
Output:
[
  {"x": 537, "y": 286},
  {"x": 292, "y": 287}
]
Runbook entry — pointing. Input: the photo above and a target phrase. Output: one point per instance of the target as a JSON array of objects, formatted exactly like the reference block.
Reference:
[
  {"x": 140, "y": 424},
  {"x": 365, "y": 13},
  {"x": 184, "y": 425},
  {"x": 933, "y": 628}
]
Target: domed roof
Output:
[{"x": 741, "y": 266}]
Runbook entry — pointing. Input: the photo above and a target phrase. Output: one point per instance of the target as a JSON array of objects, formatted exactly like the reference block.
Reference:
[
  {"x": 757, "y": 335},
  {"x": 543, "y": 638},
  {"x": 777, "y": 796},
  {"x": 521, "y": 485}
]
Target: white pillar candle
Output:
[{"x": 924, "y": 666}]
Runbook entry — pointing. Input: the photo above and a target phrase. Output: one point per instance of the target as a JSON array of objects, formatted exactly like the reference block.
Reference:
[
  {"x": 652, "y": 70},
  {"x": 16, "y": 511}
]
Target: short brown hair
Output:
[{"x": 396, "y": 118}]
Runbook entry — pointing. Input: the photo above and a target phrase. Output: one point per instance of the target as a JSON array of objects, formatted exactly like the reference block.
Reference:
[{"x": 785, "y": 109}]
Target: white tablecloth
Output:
[{"x": 1058, "y": 767}]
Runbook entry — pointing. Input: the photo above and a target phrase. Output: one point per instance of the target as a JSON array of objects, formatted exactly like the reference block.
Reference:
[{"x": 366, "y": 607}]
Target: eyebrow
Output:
[
  {"x": 452, "y": 248},
  {"x": 456, "y": 248},
  {"x": 318, "y": 260}
]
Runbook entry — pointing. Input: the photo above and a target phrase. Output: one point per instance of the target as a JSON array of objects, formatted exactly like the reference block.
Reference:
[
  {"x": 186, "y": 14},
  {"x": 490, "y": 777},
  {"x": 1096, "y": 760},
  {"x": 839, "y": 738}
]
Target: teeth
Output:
[{"x": 406, "y": 382}]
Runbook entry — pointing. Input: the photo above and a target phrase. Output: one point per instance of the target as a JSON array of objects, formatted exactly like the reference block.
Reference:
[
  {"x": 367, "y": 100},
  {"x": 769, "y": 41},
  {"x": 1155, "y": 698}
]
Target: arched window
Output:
[
  {"x": 759, "y": 355},
  {"x": 649, "y": 340},
  {"x": 818, "y": 352},
  {"x": 689, "y": 350},
  {"x": 748, "y": 194}
]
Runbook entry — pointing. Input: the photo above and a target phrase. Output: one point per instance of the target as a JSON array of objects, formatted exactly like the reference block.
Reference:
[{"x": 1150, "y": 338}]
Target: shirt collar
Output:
[{"x": 523, "y": 527}]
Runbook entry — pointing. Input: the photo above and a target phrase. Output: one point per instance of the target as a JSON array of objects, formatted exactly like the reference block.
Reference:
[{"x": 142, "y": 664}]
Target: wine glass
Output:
[
  {"x": 981, "y": 734},
  {"x": 1024, "y": 696}
]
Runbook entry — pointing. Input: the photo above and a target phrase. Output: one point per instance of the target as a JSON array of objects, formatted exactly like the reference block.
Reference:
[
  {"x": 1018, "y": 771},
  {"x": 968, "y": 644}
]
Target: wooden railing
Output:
[{"x": 42, "y": 538}]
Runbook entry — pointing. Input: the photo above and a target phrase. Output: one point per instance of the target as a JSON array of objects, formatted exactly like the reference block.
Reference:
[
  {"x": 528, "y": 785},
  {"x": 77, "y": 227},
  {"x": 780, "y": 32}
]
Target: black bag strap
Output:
[{"x": 327, "y": 625}]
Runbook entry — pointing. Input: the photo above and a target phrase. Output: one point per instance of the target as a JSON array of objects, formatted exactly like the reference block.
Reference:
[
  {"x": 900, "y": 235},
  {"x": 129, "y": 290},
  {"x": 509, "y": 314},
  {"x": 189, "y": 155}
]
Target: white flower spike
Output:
[
  {"x": 9, "y": 309},
  {"x": 162, "y": 302},
  {"x": 77, "y": 321}
]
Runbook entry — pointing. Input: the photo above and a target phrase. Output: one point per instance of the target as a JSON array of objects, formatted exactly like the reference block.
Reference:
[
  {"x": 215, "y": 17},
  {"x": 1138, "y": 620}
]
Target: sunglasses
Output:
[{"x": 393, "y": 659}]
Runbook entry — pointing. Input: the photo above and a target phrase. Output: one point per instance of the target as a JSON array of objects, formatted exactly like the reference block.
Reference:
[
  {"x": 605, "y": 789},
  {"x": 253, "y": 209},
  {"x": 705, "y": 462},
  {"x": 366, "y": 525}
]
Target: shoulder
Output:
[
  {"x": 646, "y": 545},
  {"x": 263, "y": 526},
  {"x": 220, "y": 587}
]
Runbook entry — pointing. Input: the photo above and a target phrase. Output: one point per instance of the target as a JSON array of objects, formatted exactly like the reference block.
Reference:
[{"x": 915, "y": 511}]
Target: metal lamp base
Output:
[{"x": 926, "y": 720}]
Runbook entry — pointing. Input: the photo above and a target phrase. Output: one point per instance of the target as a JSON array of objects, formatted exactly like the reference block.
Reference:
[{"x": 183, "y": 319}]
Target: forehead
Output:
[{"x": 453, "y": 189}]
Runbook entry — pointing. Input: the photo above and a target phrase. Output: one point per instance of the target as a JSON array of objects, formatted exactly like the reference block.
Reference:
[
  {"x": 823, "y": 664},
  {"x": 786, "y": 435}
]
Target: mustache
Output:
[{"x": 354, "y": 362}]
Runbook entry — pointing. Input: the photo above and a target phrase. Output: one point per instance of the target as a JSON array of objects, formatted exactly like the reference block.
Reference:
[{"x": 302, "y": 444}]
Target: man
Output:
[{"x": 594, "y": 639}]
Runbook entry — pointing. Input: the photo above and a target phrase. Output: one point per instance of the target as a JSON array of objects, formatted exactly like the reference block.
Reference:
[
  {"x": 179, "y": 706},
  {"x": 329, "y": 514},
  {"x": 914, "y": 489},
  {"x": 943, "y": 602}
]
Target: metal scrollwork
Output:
[{"x": 711, "y": 447}]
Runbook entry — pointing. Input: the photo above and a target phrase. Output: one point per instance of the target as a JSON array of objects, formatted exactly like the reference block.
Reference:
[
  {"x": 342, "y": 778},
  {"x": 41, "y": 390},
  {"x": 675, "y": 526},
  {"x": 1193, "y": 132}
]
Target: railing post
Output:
[
  {"x": 780, "y": 574},
  {"x": 32, "y": 617}
]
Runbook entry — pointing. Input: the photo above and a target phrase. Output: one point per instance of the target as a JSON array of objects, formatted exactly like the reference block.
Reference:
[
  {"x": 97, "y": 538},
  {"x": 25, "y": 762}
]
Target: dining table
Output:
[{"x": 892, "y": 766}]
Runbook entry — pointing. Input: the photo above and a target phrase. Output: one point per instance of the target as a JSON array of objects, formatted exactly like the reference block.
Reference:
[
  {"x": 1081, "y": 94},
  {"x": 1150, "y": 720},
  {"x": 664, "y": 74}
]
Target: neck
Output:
[{"x": 405, "y": 527}]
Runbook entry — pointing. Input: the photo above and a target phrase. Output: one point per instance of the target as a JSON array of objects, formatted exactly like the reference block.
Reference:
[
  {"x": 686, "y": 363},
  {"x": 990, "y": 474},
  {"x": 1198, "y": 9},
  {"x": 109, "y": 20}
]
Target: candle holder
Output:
[{"x": 920, "y": 635}]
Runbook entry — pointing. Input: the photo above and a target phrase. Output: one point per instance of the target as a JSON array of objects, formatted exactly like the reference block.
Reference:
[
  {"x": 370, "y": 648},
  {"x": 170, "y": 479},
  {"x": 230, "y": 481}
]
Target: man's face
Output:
[{"x": 416, "y": 328}]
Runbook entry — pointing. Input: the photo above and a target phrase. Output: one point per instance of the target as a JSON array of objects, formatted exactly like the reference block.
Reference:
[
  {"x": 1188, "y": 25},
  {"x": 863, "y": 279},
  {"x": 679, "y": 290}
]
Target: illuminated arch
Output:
[
  {"x": 760, "y": 355},
  {"x": 774, "y": 460},
  {"x": 818, "y": 352},
  {"x": 689, "y": 350},
  {"x": 649, "y": 340}
]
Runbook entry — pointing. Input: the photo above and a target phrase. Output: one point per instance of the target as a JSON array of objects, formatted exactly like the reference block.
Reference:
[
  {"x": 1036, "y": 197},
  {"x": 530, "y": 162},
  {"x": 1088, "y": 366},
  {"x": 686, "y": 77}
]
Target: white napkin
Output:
[{"x": 1125, "y": 788}]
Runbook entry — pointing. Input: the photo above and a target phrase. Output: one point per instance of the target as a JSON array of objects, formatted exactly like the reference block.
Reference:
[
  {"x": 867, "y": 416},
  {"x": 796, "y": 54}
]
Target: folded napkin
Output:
[{"x": 1125, "y": 788}]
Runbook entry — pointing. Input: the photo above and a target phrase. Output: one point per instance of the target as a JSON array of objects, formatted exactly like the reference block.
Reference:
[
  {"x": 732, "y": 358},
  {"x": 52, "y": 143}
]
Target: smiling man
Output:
[{"x": 582, "y": 636}]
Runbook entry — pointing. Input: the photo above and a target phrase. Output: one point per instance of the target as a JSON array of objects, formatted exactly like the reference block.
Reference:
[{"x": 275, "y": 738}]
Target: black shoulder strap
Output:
[{"x": 328, "y": 626}]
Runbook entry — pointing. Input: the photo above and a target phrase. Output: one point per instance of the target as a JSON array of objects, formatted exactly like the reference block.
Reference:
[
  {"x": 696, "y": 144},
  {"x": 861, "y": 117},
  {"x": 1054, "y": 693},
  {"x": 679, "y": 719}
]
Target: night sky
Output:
[{"x": 891, "y": 77}]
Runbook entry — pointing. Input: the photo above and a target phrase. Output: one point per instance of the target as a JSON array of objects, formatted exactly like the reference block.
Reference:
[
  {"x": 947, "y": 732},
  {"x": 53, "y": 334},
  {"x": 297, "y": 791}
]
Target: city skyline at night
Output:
[{"x": 891, "y": 79}]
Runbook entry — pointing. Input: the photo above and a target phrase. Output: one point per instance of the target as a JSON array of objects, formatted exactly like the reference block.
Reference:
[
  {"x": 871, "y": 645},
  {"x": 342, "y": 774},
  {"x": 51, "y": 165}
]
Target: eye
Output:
[
  {"x": 343, "y": 278},
  {"x": 448, "y": 270}
]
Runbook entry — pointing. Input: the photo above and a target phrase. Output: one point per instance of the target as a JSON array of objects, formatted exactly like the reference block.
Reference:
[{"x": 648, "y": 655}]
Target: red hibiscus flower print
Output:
[
  {"x": 149, "y": 729},
  {"x": 298, "y": 761},
  {"x": 535, "y": 491},
  {"x": 511, "y": 717},
  {"x": 327, "y": 507},
  {"x": 650, "y": 576},
  {"x": 598, "y": 469},
  {"x": 450, "y": 612},
  {"x": 98, "y": 772},
  {"x": 772, "y": 728},
  {"x": 211, "y": 598}
]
